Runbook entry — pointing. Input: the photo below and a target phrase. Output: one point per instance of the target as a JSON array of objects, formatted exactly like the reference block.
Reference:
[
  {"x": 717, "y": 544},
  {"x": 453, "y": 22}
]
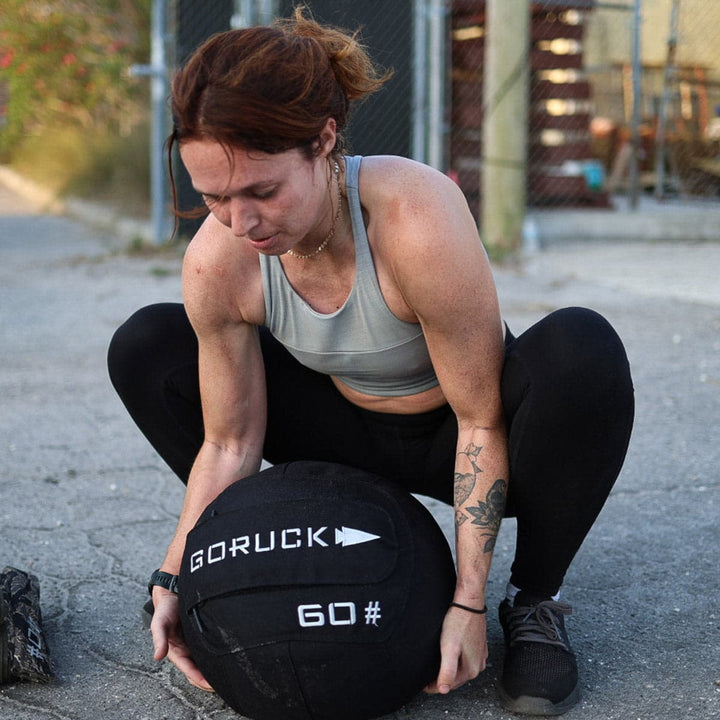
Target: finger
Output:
[
  {"x": 160, "y": 638},
  {"x": 188, "y": 668},
  {"x": 201, "y": 683},
  {"x": 446, "y": 678},
  {"x": 431, "y": 688}
]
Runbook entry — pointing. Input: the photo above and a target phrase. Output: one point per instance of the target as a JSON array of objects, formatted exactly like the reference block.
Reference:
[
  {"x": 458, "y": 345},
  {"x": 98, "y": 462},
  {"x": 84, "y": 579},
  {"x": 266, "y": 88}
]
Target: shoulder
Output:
[
  {"x": 405, "y": 183},
  {"x": 422, "y": 231},
  {"x": 221, "y": 278},
  {"x": 416, "y": 212}
]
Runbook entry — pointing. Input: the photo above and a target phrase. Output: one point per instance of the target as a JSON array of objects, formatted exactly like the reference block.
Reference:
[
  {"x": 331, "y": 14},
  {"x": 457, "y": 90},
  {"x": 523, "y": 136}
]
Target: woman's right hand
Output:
[{"x": 168, "y": 640}]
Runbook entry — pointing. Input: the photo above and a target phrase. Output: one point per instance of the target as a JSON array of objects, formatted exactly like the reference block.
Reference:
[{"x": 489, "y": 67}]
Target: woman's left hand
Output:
[
  {"x": 463, "y": 648},
  {"x": 168, "y": 641}
]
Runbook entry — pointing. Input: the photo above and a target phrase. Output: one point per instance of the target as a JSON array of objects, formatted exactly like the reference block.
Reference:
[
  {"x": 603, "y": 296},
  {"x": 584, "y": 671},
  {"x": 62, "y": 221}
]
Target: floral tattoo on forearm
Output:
[{"x": 486, "y": 515}]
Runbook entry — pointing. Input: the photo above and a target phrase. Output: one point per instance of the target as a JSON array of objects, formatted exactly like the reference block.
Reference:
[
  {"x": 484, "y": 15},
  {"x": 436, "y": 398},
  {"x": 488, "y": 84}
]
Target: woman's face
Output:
[{"x": 272, "y": 202}]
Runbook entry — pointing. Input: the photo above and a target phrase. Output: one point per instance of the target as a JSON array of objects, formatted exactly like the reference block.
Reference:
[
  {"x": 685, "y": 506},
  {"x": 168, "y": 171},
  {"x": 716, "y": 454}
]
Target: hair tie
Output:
[{"x": 469, "y": 609}]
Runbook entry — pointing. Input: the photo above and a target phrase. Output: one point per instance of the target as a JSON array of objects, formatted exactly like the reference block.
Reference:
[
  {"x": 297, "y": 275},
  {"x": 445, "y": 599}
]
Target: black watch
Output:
[{"x": 163, "y": 579}]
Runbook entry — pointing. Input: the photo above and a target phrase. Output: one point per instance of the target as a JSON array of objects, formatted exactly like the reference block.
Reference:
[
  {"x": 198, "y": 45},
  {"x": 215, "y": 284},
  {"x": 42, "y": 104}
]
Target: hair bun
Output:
[{"x": 355, "y": 71}]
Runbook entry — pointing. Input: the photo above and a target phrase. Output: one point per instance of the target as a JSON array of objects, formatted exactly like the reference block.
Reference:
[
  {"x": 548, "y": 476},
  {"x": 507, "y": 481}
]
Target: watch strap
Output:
[{"x": 163, "y": 579}]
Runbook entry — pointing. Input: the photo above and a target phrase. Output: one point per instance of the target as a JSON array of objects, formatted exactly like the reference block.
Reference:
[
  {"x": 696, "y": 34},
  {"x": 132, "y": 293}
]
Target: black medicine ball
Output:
[{"x": 315, "y": 591}]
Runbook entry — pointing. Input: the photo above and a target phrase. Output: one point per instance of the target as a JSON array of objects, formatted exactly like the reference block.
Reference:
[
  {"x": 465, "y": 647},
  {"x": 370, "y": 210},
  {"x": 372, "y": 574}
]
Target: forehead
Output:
[{"x": 214, "y": 167}]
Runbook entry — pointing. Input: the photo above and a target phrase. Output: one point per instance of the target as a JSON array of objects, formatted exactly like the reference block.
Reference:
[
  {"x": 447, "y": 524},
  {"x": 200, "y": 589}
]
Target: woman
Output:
[{"x": 343, "y": 309}]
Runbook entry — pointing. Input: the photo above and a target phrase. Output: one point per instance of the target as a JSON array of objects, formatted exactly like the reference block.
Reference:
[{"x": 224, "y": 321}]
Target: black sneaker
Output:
[
  {"x": 146, "y": 614},
  {"x": 539, "y": 674}
]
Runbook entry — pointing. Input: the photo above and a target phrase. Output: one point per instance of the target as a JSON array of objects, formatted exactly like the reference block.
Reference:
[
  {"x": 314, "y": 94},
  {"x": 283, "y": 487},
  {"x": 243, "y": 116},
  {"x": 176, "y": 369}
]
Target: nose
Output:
[{"x": 244, "y": 216}]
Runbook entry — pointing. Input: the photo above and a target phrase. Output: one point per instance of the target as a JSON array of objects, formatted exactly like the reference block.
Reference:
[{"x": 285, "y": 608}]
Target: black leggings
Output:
[{"x": 567, "y": 396}]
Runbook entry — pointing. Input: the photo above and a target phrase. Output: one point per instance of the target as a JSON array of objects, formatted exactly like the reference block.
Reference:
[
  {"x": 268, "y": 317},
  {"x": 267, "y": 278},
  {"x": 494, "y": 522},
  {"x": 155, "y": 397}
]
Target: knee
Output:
[
  {"x": 583, "y": 334},
  {"x": 584, "y": 339},
  {"x": 570, "y": 368},
  {"x": 574, "y": 346},
  {"x": 591, "y": 363},
  {"x": 136, "y": 341}
]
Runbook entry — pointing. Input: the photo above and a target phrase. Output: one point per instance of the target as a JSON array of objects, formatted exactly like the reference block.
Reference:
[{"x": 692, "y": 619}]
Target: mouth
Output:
[{"x": 263, "y": 242}]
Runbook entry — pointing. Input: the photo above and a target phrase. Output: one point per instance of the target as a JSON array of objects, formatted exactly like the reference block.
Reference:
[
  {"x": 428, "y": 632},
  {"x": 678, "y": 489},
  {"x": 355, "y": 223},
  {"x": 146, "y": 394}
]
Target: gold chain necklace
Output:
[{"x": 330, "y": 234}]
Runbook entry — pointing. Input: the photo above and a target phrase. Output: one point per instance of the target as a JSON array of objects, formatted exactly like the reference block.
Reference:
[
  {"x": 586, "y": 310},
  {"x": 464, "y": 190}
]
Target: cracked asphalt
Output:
[{"x": 87, "y": 506}]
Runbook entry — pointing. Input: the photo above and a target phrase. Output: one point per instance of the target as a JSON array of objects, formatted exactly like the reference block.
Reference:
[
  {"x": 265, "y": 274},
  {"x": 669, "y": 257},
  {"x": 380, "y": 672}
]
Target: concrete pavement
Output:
[{"x": 88, "y": 507}]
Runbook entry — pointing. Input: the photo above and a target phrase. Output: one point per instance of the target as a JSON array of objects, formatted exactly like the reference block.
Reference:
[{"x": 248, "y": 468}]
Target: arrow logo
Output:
[{"x": 350, "y": 536}]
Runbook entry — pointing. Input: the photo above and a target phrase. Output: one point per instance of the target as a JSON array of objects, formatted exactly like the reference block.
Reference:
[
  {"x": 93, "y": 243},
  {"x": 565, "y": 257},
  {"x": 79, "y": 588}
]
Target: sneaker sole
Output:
[{"x": 526, "y": 705}]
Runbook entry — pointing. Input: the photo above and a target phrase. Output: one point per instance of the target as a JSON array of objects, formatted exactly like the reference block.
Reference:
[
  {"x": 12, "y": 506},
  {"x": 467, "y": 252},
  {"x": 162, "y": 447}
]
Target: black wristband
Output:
[
  {"x": 163, "y": 579},
  {"x": 469, "y": 609}
]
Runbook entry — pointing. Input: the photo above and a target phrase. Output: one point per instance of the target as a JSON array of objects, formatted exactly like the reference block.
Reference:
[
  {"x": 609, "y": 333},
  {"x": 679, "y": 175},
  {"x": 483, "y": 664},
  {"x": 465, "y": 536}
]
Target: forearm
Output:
[
  {"x": 481, "y": 483},
  {"x": 215, "y": 469}
]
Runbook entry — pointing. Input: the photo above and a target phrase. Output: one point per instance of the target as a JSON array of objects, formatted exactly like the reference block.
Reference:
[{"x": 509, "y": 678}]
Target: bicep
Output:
[
  {"x": 232, "y": 386},
  {"x": 231, "y": 371},
  {"x": 449, "y": 284}
]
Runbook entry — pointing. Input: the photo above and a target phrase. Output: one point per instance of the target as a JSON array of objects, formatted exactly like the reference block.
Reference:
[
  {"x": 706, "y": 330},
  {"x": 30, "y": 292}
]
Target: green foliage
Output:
[
  {"x": 64, "y": 68},
  {"x": 96, "y": 164}
]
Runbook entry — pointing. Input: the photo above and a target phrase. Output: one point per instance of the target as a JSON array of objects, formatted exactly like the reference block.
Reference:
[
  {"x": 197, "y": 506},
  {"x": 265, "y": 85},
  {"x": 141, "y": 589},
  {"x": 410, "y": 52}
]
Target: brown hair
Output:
[{"x": 272, "y": 88}]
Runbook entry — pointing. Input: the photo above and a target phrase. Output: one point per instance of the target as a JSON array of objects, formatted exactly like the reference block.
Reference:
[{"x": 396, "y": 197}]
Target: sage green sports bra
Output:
[{"x": 362, "y": 344}]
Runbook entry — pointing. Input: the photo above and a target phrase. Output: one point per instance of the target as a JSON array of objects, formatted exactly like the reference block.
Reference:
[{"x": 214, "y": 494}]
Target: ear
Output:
[{"x": 328, "y": 138}]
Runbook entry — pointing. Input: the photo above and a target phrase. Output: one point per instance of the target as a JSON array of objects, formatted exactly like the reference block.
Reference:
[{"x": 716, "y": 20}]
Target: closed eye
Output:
[
  {"x": 265, "y": 194},
  {"x": 211, "y": 200}
]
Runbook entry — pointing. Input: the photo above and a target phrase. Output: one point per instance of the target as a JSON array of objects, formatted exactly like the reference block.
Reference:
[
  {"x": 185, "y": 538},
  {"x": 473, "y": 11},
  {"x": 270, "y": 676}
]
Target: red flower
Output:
[{"x": 6, "y": 60}]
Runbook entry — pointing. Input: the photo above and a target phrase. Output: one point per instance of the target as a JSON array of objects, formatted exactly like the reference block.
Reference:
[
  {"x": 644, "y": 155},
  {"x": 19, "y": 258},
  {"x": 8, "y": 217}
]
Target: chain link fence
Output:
[
  {"x": 678, "y": 96},
  {"x": 383, "y": 124},
  {"x": 591, "y": 64},
  {"x": 624, "y": 96}
]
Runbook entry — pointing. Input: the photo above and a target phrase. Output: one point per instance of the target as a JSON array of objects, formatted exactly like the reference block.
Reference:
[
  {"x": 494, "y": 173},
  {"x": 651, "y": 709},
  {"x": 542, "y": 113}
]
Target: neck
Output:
[{"x": 335, "y": 210}]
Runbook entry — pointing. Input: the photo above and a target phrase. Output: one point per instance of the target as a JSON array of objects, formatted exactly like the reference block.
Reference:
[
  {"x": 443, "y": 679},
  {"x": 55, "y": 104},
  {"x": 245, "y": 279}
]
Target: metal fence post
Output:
[
  {"x": 159, "y": 125},
  {"x": 157, "y": 71},
  {"x": 437, "y": 15},
  {"x": 419, "y": 65},
  {"x": 636, "y": 111},
  {"x": 668, "y": 79}
]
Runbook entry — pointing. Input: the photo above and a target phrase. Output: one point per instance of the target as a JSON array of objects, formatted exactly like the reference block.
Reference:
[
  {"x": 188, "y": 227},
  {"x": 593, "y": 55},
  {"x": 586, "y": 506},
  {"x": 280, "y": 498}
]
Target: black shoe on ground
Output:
[
  {"x": 146, "y": 614},
  {"x": 539, "y": 674}
]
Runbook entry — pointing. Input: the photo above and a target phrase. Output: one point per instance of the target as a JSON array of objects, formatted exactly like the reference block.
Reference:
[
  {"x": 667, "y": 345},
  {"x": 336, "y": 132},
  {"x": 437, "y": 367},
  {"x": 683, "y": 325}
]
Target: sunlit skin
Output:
[
  {"x": 431, "y": 270},
  {"x": 274, "y": 203}
]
